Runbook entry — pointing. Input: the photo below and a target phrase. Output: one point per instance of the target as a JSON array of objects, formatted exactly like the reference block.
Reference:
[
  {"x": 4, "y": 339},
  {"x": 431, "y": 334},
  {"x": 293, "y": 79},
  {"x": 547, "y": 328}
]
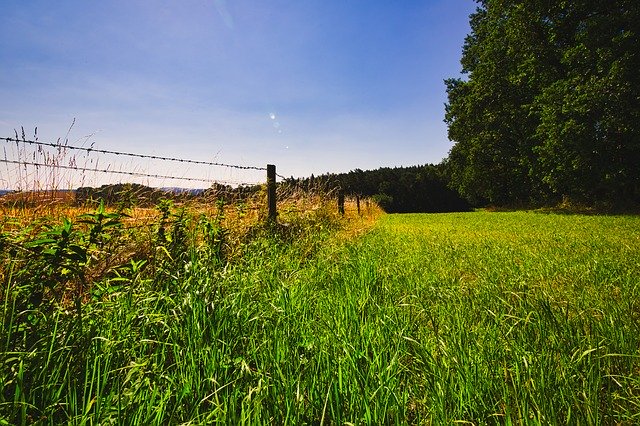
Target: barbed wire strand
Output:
[
  {"x": 135, "y": 174},
  {"x": 129, "y": 154}
]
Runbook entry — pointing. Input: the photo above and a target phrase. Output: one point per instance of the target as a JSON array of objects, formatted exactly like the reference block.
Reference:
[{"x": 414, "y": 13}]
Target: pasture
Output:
[{"x": 476, "y": 318}]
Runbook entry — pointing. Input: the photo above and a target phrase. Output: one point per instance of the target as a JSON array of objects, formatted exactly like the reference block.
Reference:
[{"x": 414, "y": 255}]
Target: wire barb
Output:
[
  {"x": 136, "y": 174},
  {"x": 129, "y": 154}
]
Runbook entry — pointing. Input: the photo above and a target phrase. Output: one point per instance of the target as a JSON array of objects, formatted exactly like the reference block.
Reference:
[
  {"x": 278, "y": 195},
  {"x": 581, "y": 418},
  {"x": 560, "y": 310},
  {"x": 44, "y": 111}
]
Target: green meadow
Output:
[{"x": 471, "y": 318}]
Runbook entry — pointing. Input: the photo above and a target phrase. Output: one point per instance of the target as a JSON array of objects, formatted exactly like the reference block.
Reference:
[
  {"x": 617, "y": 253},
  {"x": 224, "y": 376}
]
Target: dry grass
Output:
[{"x": 298, "y": 211}]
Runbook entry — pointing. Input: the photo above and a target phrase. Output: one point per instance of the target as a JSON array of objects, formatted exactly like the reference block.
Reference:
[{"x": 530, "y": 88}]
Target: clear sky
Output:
[{"x": 313, "y": 86}]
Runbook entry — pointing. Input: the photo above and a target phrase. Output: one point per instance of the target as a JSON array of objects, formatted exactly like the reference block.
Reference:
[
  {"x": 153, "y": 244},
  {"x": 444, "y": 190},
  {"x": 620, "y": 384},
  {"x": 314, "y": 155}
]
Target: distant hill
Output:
[
  {"x": 175, "y": 190},
  {"x": 124, "y": 193},
  {"x": 133, "y": 193},
  {"x": 34, "y": 198}
]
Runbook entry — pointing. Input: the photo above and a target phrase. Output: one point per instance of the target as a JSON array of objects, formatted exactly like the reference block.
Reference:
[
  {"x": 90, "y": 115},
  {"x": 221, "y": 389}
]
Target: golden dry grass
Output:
[{"x": 238, "y": 219}]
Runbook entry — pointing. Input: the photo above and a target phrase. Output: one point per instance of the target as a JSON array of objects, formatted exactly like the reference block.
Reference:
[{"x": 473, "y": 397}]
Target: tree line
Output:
[
  {"x": 547, "y": 112},
  {"x": 397, "y": 190}
]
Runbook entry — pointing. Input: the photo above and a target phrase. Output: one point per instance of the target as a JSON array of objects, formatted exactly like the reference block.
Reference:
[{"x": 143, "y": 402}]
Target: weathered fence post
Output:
[
  {"x": 358, "y": 203},
  {"x": 271, "y": 192},
  {"x": 341, "y": 202}
]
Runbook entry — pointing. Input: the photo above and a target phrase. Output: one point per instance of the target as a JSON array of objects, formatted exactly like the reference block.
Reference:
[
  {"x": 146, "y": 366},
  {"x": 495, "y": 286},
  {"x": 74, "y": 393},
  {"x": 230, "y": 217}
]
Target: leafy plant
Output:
[
  {"x": 57, "y": 256},
  {"x": 164, "y": 207},
  {"x": 101, "y": 224}
]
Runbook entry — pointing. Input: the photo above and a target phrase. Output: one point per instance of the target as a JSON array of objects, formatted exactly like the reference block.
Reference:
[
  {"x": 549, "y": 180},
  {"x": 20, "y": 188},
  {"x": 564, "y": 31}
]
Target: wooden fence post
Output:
[
  {"x": 271, "y": 192},
  {"x": 341, "y": 202},
  {"x": 358, "y": 203}
]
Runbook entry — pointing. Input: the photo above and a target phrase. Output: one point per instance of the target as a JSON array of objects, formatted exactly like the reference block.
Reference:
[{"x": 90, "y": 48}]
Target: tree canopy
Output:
[{"x": 549, "y": 108}]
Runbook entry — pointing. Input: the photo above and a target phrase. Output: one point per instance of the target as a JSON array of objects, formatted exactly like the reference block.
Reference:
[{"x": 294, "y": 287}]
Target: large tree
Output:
[
  {"x": 549, "y": 107},
  {"x": 590, "y": 116}
]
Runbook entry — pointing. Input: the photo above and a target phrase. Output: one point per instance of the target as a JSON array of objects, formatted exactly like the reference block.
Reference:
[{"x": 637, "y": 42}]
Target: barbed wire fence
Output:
[{"x": 29, "y": 164}]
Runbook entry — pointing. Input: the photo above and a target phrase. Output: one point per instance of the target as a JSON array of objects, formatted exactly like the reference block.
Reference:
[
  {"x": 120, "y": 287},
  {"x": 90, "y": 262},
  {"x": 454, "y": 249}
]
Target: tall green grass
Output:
[
  {"x": 484, "y": 318},
  {"x": 517, "y": 318}
]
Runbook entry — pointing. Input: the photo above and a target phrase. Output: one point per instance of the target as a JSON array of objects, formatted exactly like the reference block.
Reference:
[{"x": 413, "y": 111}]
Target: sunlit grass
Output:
[
  {"x": 518, "y": 317},
  {"x": 484, "y": 318}
]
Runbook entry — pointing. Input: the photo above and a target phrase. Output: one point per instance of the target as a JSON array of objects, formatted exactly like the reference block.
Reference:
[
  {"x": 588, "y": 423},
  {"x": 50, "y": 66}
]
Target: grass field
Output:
[{"x": 476, "y": 318}]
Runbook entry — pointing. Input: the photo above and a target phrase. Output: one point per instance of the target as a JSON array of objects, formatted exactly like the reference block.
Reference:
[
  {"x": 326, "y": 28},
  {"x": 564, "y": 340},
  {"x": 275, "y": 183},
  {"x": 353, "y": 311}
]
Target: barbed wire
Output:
[
  {"x": 135, "y": 174},
  {"x": 129, "y": 154}
]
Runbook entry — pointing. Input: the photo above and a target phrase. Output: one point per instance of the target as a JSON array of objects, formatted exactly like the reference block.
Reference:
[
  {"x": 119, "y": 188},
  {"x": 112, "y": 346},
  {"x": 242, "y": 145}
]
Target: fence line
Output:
[
  {"x": 270, "y": 169},
  {"x": 128, "y": 154},
  {"x": 136, "y": 174}
]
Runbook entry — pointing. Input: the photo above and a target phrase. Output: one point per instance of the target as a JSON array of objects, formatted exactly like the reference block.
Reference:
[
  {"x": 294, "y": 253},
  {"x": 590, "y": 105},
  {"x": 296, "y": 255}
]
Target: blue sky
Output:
[{"x": 312, "y": 86}]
